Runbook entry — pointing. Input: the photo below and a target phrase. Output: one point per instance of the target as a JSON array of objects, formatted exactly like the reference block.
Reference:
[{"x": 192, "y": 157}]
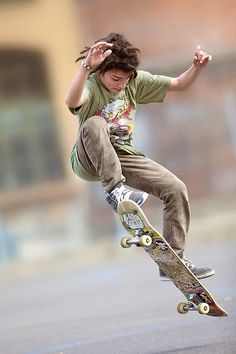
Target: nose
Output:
[{"x": 121, "y": 86}]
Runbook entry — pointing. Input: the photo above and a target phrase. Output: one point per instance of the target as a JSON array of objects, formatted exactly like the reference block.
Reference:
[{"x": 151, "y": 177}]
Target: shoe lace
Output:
[
  {"x": 115, "y": 197},
  {"x": 189, "y": 263},
  {"x": 117, "y": 194}
]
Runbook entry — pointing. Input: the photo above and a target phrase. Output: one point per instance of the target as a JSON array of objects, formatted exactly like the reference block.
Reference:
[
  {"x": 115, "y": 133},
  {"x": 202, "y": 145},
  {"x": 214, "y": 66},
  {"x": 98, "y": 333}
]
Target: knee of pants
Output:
[
  {"x": 176, "y": 190},
  {"x": 94, "y": 124},
  {"x": 180, "y": 189}
]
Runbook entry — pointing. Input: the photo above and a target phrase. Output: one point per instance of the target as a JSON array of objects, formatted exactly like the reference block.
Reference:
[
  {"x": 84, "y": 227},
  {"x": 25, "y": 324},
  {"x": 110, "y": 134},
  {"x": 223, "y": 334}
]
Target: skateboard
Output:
[{"x": 143, "y": 234}]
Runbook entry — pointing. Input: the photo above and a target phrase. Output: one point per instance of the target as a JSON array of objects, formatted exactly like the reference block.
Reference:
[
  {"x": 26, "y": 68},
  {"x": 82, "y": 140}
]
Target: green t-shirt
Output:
[{"x": 118, "y": 109}]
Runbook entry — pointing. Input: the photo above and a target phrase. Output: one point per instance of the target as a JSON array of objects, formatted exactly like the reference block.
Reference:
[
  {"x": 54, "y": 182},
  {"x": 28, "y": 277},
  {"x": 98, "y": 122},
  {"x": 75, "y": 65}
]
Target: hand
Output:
[
  {"x": 201, "y": 58},
  {"x": 98, "y": 53}
]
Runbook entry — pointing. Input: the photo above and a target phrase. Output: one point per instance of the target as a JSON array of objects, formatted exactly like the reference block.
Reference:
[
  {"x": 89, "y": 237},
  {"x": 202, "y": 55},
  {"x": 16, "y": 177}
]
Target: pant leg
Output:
[
  {"x": 96, "y": 153},
  {"x": 144, "y": 174}
]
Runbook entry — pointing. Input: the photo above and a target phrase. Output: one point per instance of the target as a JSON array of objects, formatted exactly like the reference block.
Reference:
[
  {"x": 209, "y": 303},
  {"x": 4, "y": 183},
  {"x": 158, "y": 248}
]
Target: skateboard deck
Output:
[{"x": 143, "y": 234}]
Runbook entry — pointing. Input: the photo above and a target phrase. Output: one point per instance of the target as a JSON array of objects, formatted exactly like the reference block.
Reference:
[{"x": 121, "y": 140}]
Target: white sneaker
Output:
[{"x": 120, "y": 192}]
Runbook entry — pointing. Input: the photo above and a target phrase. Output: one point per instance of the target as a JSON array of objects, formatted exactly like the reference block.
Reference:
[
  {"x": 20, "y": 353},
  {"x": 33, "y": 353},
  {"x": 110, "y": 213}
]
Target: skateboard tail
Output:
[
  {"x": 217, "y": 311},
  {"x": 222, "y": 313}
]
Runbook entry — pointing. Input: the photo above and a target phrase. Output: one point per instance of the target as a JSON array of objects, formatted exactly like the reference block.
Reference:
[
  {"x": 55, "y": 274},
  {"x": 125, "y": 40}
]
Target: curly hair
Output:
[{"x": 124, "y": 56}]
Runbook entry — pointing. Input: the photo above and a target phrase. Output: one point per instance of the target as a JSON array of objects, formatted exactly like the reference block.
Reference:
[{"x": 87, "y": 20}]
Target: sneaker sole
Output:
[
  {"x": 203, "y": 276},
  {"x": 164, "y": 279},
  {"x": 206, "y": 275}
]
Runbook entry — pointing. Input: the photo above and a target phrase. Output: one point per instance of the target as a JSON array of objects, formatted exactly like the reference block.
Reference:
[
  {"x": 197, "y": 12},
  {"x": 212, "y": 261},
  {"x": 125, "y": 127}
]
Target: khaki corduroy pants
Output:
[{"x": 98, "y": 156}]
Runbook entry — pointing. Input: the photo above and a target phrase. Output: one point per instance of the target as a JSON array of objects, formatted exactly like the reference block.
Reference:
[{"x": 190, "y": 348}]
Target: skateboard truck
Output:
[
  {"x": 142, "y": 241},
  {"x": 202, "y": 308}
]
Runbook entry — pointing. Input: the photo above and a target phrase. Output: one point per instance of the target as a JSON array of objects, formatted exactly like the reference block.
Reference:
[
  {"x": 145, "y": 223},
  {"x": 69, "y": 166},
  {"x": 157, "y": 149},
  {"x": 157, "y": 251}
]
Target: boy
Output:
[{"x": 104, "y": 94}]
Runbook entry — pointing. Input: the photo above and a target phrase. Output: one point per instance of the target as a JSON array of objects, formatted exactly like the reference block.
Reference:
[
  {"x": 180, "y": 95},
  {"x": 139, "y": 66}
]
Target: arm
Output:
[
  {"x": 74, "y": 96},
  {"x": 96, "y": 55},
  {"x": 182, "y": 82}
]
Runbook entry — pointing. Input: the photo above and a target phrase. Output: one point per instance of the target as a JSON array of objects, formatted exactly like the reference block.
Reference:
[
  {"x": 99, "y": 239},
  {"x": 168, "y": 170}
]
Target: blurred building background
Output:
[{"x": 45, "y": 210}]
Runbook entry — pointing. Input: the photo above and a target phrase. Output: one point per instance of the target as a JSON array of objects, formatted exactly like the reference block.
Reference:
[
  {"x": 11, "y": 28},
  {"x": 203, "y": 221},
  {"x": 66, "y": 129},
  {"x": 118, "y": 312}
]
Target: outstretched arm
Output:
[
  {"x": 96, "y": 55},
  {"x": 183, "y": 81}
]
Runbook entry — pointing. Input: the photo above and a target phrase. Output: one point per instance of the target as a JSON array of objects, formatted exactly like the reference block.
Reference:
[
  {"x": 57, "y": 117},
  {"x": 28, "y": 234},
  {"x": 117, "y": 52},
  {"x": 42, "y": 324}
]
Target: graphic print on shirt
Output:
[{"x": 117, "y": 114}]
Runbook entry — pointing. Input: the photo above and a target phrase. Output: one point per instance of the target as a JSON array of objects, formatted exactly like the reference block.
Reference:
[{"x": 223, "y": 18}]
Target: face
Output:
[{"x": 115, "y": 80}]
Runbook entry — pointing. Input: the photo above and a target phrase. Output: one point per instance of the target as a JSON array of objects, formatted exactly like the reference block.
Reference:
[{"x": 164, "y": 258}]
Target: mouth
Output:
[{"x": 117, "y": 90}]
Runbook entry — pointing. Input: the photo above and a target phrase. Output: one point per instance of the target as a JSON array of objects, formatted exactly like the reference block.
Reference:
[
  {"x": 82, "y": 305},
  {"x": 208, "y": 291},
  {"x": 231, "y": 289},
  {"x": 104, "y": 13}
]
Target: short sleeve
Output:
[
  {"x": 151, "y": 88},
  {"x": 86, "y": 95}
]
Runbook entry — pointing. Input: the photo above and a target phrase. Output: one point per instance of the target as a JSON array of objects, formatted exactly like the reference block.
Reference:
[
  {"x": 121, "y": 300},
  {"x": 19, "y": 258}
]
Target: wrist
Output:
[
  {"x": 197, "y": 66},
  {"x": 87, "y": 66}
]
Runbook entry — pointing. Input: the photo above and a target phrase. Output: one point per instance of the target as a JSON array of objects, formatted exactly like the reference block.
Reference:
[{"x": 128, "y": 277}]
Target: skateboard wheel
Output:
[
  {"x": 203, "y": 308},
  {"x": 182, "y": 308},
  {"x": 124, "y": 240},
  {"x": 145, "y": 241}
]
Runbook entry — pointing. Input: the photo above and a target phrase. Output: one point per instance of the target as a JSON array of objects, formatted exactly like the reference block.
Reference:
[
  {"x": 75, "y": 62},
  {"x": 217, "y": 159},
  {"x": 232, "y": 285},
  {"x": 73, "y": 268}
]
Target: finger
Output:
[
  {"x": 102, "y": 45},
  {"x": 197, "y": 50},
  {"x": 198, "y": 56},
  {"x": 205, "y": 58},
  {"x": 195, "y": 59},
  {"x": 202, "y": 56},
  {"x": 209, "y": 57},
  {"x": 107, "y": 53},
  {"x": 100, "y": 48}
]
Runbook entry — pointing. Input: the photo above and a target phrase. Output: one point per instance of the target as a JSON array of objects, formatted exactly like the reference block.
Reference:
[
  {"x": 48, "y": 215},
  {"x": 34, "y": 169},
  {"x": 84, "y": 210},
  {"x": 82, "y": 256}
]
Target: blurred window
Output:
[{"x": 29, "y": 148}]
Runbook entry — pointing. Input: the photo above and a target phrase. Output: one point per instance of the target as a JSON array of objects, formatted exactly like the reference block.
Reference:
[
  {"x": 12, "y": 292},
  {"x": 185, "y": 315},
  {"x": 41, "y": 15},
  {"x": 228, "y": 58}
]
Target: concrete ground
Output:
[{"x": 117, "y": 305}]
